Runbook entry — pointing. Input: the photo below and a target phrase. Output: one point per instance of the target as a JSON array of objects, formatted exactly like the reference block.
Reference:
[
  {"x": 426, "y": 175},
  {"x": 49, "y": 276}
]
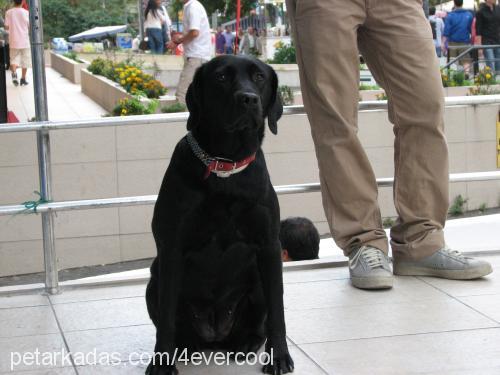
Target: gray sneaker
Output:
[
  {"x": 445, "y": 263},
  {"x": 369, "y": 268}
]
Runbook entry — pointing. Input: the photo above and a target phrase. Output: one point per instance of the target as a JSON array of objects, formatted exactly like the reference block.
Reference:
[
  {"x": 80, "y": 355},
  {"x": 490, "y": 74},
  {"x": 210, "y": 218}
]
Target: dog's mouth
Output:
[{"x": 249, "y": 119}]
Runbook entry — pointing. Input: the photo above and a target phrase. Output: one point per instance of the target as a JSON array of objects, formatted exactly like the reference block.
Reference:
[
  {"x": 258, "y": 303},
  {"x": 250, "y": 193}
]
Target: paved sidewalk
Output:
[
  {"x": 423, "y": 325},
  {"x": 65, "y": 99}
]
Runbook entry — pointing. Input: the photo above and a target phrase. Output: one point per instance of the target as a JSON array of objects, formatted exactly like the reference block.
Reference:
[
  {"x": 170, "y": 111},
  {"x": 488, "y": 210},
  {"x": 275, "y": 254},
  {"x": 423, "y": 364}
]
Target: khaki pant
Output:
[
  {"x": 187, "y": 74},
  {"x": 396, "y": 41}
]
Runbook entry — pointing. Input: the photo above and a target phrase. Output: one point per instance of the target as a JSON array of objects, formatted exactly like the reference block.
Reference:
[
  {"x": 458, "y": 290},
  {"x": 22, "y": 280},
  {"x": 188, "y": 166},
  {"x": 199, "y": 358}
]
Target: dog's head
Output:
[{"x": 231, "y": 94}]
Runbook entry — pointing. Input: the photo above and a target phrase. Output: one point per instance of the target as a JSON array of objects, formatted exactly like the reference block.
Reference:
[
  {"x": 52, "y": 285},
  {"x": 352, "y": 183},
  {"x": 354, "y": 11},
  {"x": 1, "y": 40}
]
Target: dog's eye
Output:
[
  {"x": 221, "y": 77},
  {"x": 258, "y": 77}
]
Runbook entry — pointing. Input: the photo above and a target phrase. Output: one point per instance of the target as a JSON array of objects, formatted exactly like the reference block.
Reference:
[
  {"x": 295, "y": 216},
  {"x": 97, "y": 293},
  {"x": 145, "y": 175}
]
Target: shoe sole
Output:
[
  {"x": 372, "y": 282},
  {"x": 470, "y": 274}
]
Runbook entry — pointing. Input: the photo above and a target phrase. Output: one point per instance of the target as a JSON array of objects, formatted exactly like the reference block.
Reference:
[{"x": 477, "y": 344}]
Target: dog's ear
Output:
[
  {"x": 194, "y": 100},
  {"x": 275, "y": 107}
]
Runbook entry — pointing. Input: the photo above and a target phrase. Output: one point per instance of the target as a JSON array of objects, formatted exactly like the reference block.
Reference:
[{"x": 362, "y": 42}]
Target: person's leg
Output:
[
  {"x": 489, "y": 57},
  {"x": 401, "y": 54},
  {"x": 159, "y": 41},
  {"x": 326, "y": 42},
  {"x": 186, "y": 77},
  {"x": 329, "y": 81},
  {"x": 496, "y": 54},
  {"x": 14, "y": 64},
  {"x": 151, "y": 41}
]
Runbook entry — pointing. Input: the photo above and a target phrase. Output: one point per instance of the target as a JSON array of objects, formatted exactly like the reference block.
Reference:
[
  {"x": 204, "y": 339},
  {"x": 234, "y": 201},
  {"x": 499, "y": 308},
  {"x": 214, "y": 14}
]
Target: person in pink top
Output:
[{"x": 17, "y": 23}]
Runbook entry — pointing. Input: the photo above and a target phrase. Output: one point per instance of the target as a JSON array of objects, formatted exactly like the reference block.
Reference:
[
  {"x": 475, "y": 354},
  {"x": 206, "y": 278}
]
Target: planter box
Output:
[
  {"x": 107, "y": 93},
  {"x": 68, "y": 68}
]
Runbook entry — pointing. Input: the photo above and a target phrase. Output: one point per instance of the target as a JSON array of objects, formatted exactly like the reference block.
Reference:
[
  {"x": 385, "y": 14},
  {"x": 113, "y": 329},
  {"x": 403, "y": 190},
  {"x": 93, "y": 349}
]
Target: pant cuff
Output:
[
  {"x": 423, "y": 247},
  {"x": 379, "y": 243}
]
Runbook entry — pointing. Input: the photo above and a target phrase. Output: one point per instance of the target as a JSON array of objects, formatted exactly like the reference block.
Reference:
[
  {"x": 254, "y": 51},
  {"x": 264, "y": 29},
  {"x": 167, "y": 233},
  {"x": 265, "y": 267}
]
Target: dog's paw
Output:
[
  {"x": 280, "y": 365},
  {"x": 161, "y": 370}
]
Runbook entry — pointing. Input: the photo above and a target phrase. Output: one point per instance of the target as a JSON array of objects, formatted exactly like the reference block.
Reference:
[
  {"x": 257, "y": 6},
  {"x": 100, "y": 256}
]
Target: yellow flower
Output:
[
  {"x": 122, "y": 75},
  {"x": 488, "y": 75},
  {"x": 123, "y": 82},
  {"x": 488, "y": 68},
  {"x": 124, "y": 111}
]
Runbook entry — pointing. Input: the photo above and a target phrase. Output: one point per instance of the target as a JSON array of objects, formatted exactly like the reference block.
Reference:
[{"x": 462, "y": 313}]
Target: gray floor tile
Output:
[
  {"x": 336, "y": 293},
  {"x": 488, "y": 305},
  {"x": 121, "y": 340},
  {"x": 465, "y": 353},
  {"x": 52, "y": 371},
  {"x": 303, "y": 365},
  {"x": 342, "y": 323},
  {"x": 23, "y": 301},
  {"x": 99, "y": 293},
  {"x": 23, "y": 321},
  {"x": 122, "y": 369},
  {"x": 321, "y": 274},
  {"x": 29, "y": 344},
  {"x": 102, "y": 314}
]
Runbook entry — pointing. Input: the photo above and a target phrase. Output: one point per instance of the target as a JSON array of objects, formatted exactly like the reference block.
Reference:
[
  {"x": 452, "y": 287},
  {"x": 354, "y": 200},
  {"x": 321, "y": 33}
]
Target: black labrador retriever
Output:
[{"x": 216, "y": 282}]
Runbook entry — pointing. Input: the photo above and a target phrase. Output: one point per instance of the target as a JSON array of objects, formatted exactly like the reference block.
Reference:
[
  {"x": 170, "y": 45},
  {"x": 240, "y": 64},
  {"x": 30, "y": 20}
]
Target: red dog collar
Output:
[
  {"x": 227, "y": 168},
  {"x": 221, "y": 167}
]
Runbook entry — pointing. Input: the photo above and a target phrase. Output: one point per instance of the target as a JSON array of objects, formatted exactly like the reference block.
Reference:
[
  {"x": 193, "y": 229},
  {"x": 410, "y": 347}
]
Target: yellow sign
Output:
[{"x": 498, "y": 144}]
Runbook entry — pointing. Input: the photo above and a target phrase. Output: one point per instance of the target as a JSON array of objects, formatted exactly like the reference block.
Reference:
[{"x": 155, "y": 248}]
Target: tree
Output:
[
  {"x": 63, "y": 18},
  {"x": 226, "y": 8}
]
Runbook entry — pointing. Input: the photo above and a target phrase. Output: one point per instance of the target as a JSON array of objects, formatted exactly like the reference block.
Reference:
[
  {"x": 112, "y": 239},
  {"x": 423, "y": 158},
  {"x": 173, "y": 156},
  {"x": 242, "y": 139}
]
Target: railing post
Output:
[
  {"x": 43, "y": 144},
  {"x": 49, "y": 248}
]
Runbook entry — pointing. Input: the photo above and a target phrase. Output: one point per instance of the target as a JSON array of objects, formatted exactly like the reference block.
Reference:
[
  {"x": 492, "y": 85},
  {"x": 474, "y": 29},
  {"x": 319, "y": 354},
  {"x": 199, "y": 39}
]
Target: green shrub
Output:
[
  {"x": 284, "y": 54},
  {"x": 99, "y": 66},
  {"x": 286, "y": 94},
  {"x": 458, "y": 206},
  {"x": 364, "y": 86},
  {"x": 72, "y": 56},
  {"x": 134, "y": 106},
  {"x": 482, "y": 208},
  {"x": 388, "y": 222},
  {"x": 173, "y": 108}
]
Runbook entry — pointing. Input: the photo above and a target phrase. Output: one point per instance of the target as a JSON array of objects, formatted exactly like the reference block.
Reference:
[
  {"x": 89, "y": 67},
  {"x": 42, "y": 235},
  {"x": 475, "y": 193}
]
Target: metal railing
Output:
[
  {"x": 47, "y": 209},
  {"x": 466, "y": 52}
]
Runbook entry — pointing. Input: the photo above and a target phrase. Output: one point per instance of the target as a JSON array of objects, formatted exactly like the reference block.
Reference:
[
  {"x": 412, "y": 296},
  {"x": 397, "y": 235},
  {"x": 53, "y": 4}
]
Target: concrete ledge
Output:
[
  {"x": 107, "y": 93},
  {"x": 68, "y": 68}
]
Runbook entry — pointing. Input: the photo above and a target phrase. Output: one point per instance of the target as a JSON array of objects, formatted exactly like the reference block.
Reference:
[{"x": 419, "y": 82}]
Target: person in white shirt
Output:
[
  {"x": 197, "y": 43},
  {"x": 154, "y": 19}
]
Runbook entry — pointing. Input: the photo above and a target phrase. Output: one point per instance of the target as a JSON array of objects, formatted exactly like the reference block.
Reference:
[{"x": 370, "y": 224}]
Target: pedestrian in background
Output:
[
  {"x": 17, "y": 24},
  {"x": 437, "y": 26},
  {"x": 197, "y": 43},
  {"x": 457, "y": 33},
  {"x": 154, "y": 21},
  {"x": 220, "y": 42},
  {"x": 251, "y": 44},
  {"x": 488, "y": 32},
  {"x": 167, "y": 26},
  {"x": 229, "y": 36}
]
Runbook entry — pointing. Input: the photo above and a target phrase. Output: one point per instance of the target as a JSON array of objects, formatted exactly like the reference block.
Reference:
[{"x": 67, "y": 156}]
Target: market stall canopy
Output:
[{"x": 98, "y": 33}]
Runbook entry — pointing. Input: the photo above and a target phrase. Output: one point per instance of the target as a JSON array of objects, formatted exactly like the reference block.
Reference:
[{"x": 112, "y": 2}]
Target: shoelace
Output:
[
  {"x": 454, "y": 253},
  {"x": 373, "y": 257}
]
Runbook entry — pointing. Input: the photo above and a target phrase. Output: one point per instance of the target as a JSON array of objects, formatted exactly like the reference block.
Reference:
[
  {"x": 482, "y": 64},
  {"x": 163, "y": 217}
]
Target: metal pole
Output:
[
  {"x": 3, "y": 83},
  {"x": 141, "y": 19},
  {"x": 43, "y": 145}
]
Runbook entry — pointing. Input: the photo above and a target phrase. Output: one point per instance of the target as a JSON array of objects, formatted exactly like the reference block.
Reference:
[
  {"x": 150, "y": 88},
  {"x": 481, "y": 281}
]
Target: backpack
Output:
[{"x": 433, "y": 28}]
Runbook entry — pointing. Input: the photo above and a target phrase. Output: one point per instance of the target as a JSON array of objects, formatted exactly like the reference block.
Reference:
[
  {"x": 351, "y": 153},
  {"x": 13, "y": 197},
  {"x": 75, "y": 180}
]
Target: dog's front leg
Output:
[
  {"x": 270, "y": 268},
  {"x": 169, "y": 285}
]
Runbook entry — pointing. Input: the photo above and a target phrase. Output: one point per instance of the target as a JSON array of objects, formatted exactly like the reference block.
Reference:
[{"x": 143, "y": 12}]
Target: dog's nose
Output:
[{"x": 248, "y": 100}]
